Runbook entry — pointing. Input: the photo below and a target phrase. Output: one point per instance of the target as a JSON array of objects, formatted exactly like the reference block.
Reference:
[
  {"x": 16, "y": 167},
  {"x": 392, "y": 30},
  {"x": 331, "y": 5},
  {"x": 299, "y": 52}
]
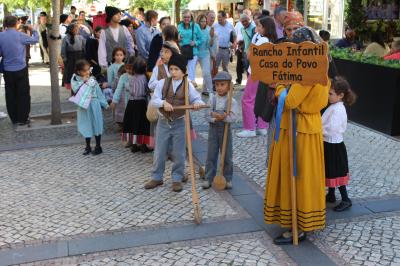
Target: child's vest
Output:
[
  {"x": 162, "y": 73},
  {"x": 138, "y": 89},
  {"x": 175, "y": 99},
  {"x": 111, "y": 43},
  {"x": 214, "y": 109}
]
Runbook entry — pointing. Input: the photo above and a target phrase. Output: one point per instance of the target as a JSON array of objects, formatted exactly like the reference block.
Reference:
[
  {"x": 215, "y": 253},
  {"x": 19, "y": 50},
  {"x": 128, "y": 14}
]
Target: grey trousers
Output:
[
  {"x": 215, "y": 138},
  {"x": 223, "y": 56},
  {"x": 169, "y": 133}
]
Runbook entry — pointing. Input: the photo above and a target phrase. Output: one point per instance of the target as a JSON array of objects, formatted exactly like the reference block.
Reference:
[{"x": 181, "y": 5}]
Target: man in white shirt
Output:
[
  {"x": 224, "y": 30},
  {"x": 240, "y": 46},
  {"x": 114, "y": 36}
]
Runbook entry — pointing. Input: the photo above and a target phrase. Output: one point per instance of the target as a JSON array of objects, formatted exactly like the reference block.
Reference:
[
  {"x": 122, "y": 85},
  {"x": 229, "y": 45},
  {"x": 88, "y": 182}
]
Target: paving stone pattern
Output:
[
  {"x": 373, "y": 160},
  {"x": 49, "y": 193},
  {"x": 246, "y": 249},
  {"x": 368, "y": 242}
]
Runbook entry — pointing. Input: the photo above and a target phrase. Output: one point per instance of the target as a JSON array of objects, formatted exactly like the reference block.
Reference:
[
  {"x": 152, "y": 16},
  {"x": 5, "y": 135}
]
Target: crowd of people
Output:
[{"x": 134, "y": 68}]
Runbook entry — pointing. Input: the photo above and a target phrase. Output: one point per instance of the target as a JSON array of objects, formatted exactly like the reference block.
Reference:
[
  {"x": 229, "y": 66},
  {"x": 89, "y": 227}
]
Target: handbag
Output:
[
  {"x": 187, "y": 50},
  {"x": 264, "y": 104},
  {"x": 82, "y": 96}
]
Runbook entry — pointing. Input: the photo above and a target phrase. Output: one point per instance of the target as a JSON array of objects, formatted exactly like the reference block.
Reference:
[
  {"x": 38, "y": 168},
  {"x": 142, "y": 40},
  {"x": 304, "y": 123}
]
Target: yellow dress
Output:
[{"x": 310, "y": 181}]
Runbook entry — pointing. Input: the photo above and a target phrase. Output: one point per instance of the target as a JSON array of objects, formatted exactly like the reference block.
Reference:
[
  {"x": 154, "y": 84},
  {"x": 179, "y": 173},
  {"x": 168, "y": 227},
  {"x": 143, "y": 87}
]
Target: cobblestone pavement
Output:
[
  {"x": 370, "y": 241},
  {"x": 49, "y": 193},
  {"x": 373, "y": 160},
  {"x": 245, "y": 249}
]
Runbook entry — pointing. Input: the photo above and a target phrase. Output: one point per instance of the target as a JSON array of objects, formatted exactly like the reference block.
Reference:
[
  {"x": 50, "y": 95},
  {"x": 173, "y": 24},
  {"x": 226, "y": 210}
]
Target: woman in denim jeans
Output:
[{"x": 204, "y": 53}]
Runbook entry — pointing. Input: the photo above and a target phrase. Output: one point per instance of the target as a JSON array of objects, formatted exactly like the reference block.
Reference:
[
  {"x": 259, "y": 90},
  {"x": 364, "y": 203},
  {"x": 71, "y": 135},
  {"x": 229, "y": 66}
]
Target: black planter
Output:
[{"x": 378, "y": 91}]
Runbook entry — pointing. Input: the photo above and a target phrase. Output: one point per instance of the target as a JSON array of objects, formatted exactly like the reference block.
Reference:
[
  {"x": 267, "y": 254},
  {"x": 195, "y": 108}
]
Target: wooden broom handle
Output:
[{"x": 226, "y": 126}]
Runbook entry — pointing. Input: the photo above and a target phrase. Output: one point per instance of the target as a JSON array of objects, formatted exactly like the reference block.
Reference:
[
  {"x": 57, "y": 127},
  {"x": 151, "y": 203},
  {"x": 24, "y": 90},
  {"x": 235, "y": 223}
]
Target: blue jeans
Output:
[
  {"x": 205, "y": 64},
  {"x": 169, "y": 133},
  {"x": 215, "y": 138}
]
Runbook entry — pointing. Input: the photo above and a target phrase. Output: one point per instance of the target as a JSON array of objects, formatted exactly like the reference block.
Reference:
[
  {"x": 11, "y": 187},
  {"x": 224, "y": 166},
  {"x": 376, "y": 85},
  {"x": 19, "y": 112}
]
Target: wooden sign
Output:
[{"x": 287, "y": 63}]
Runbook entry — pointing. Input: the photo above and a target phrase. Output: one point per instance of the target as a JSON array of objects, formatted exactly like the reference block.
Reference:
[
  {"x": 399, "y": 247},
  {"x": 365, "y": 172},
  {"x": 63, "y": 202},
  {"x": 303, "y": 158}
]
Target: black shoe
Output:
[
  {"x": 145, "y": 149},
  {"x": 343, "y": 205},
  {"x": 330, "y": 198},
  {"x": 283, "y": 240},
  {"x": 135, "y": 148},
  {"x": 87, "y": 151},
  {"x": 97, "y": 150},
  {"x": 205, "y": 93}
]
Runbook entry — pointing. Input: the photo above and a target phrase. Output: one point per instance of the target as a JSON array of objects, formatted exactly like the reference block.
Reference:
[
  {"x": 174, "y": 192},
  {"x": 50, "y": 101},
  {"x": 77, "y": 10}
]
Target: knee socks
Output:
[
  {"x": 343, "y": 193},
  {"x": 98, "y": 140}
]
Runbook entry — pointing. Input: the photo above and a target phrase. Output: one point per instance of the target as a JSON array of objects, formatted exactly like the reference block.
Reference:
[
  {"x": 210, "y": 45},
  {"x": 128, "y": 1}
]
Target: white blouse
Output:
[
  {"x": 334, "y": 123},
  {"x": 258, "y": 39}
]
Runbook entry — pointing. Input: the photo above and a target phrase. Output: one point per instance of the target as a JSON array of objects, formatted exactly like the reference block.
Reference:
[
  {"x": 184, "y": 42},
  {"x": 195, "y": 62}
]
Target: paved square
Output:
[
  {"x": 371, "y": 241},
  {"x": 373, "y": 161},
  {"x": 56, "y": 192},
  {"x": 246, "y": 249}
]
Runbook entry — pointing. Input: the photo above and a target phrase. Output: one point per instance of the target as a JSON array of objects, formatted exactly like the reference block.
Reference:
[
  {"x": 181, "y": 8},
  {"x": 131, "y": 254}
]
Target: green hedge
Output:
[{"x": 347, "y": 54}]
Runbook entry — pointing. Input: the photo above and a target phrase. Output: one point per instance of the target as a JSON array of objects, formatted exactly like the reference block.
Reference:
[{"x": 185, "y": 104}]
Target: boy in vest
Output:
[
  {"x": 115, "y": 35},
  {"x": 161, "y": 71},
  {"x": 170, "y": 92},
  {"x": 217, "y": 116}
]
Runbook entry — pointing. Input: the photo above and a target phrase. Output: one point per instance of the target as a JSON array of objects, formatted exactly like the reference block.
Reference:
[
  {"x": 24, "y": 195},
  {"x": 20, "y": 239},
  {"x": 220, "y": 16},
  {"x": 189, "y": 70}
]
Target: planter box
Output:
[{"x": 378, "y": 91}]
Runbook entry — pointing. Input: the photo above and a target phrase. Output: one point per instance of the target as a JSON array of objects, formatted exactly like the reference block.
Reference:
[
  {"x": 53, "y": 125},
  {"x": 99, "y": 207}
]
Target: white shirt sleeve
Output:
[
  {"x": 102, "y": 53},
  {"x": 194, "y": 96},
  {"x": 156, "y": 99},
  {"x": 238, "y": 30},
  {"x": 153, "y": 79}
]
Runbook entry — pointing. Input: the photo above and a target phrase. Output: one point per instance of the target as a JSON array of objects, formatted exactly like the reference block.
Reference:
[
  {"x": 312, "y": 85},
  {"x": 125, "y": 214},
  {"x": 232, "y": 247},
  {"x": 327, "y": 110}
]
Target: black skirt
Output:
[
  {"x": 135, "y": 120},
  {"x": 336, "y": 164}
]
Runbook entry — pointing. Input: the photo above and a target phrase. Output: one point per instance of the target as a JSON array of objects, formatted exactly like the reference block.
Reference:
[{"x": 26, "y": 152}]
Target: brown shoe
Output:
[
  {"x": 153, "y": 184},
  {"x": 176, "y": 186},
  {"x": 185, "y": 178}
]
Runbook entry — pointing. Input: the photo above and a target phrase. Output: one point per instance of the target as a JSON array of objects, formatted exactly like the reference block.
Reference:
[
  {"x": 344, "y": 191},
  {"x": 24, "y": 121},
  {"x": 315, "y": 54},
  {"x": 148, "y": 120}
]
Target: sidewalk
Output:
[{"x": 58, "y": 207}]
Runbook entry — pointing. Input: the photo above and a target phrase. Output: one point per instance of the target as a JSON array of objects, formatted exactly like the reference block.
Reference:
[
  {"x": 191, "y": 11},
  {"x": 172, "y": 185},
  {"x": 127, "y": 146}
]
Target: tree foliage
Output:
[
  {"x": 157, "y": 4},
  {"x": 33, "y": 4}
]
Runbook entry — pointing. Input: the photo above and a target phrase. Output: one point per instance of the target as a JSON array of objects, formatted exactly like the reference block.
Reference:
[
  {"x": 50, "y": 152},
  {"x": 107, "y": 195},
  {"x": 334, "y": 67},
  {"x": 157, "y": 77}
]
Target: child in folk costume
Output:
[
  {"x": 170, "y": 92},
  {"x": 307, "y": 101},
  {"x": 334, "y": 122},
  {"x": 90, "y": 120},
  {"x": 118, "y": 56},
  {"x": 161, "y": 71},
  {"x": 217, "y": 118},
  {"x": 136, "y": 127}
]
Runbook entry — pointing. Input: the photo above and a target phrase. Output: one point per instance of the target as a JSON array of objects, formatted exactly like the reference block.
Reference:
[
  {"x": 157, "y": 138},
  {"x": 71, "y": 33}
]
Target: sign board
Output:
[{"x": 304, "y": 63}]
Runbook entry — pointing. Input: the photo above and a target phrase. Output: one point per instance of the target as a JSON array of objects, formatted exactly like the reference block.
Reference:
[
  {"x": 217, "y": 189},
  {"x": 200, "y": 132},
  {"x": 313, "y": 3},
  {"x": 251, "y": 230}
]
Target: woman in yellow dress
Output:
[{"x": 307, "y": 101}]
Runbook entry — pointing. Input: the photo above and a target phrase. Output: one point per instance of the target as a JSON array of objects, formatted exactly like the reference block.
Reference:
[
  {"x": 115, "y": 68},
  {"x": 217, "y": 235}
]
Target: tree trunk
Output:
[
  {"x": 62, "y": 4},
  {"x": 177, "y": 11},
  {"x": 6, "y": 11},
  {"x": 54, "y": 45}
]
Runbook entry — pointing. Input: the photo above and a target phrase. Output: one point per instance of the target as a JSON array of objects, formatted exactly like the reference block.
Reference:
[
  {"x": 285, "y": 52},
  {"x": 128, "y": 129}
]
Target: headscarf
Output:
[
  {"x": 304, "y": 34},
  {"x": 293, "y": 18}
]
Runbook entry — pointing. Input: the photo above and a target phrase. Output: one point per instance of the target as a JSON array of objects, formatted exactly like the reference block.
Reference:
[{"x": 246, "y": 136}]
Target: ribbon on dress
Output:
[{"x": 279, "y": 112}]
